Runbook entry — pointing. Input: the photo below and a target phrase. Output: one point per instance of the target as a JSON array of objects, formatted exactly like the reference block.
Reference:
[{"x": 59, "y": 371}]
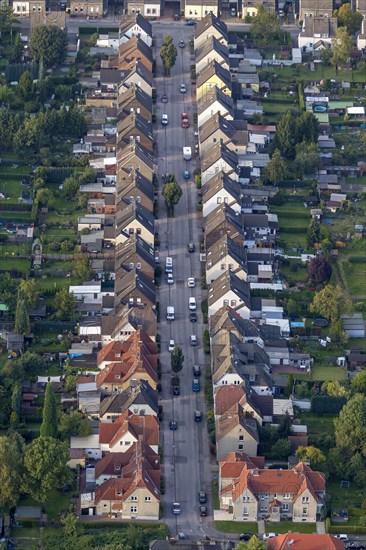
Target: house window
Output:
[
  {"x": 226, "y": 302},
  {"x": 233, "y": 303},
  {"x": 222, "y": 267},
  {"x": 305, "y": 500},
  {"x": 153, "y": 10},
  {"x": 240, "y": 447},
  {"x": 246, "y": 499},
  {"x": 245, "y": 511},
  {"x": 218, "y": 200},
  {"x": 148, "y": 11},
  {"x": 132, "y": 265},
  {"x": 231, "y": 267},
  {"x": 241, "y": 438},
  {"x": 131, "y": 230},
  {"x": 134, "y": 498},
  {"x": 138, "y": 265},
  {"x": 133, "y": 509},
  {"x": 286, "y": 495},
  {"x": 285, "y": 507},
  {"x": 138, "y": 231},
  {"x": 304, "y": 511},
  {"x": 127, "y": 442},
  {"x": 138, "y": 198},
  {"x": 147, "y": 499},
  {"x": 226, "y": 200}
]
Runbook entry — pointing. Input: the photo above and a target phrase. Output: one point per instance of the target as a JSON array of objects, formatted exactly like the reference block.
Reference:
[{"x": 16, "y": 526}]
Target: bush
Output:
[
  {"x": 322, "y": 404},
  {"x": 206, "y": 342}
]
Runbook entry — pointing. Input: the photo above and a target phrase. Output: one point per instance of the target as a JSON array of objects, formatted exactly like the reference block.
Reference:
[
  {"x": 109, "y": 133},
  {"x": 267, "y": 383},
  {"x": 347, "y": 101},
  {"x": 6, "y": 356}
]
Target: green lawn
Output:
[
  {"x": 356, "y": 278},
  {"x": 318, "y": 425},
  {"x": 285, "y": 526},
  {"x": 55, "y": 504},
  {"x": 324, "y": 374},
  {"x": 236, "y": 526},
  {"x": 288, "y": 239},
  {"x": 20, "y": 265},
  {"x": 294, "y": 276},
  {"x": 344, "y": 498},
  {"x": 215, "y": 495}
]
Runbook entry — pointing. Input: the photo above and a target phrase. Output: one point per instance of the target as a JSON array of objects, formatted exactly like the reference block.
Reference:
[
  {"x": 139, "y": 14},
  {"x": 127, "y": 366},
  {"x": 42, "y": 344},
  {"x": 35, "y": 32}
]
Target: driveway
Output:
[{"x": 186, "y": 451}]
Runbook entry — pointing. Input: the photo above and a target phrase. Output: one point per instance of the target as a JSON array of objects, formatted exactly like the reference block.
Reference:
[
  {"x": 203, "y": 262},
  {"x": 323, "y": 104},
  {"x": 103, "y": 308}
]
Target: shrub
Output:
[
  {"x": 206, "y": 342},
  {"x": 322, "y": 404}
]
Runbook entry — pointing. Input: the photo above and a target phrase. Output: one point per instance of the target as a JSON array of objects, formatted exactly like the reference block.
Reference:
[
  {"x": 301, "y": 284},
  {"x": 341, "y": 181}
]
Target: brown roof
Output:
[
  {"x": 304, "y": 542},
  {"x": 233, "y": 463},
  {"x": 121, "y": 464},
  {"x": 146, "y": 426},
  {"x": 226, "y": 397},
  {"x": 233, "y": 417},
  {"x": 297, "y": 441}
]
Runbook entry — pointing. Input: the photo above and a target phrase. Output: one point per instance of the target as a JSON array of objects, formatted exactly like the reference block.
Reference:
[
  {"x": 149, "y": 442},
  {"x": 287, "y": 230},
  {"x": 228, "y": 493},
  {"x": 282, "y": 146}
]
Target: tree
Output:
[
  {"x": 44, "y": 196},
  {"x": 177, "y": 359},
  {"x": 11, "y": 466},
  {"x": 168, "y": 53},
  {"x": 172, "y": 193},
  {"x": 17, "y": 50},
  {"x": 21, "y": 324},
  {"x": 26, "y": 367},
  {"x": 82, "y": 269},
  {"x": 308, "y": 128},
  {"x": 6, "y": 18},
  {"x": 307, "y": 158},
  {"x": 350, "y": 426},
  {"x": 65, "y": 305},
  {"x": 254, "y": 544},
  {"x": 30, "y": 291},
  {"x": 331, "y": 302},
  {"x": 281, "y": 449},
  {"x": 341, "y": 46},
  {"x": 276, "y": 169},
  {"x": 265, "y": 25},
  {"x": 310, "y": 454},
  {"x": 335, "y": 389},
  {"x": 348, "y": 18},
  {"x": 358, "y": 384},
  {"x": 25, "y": 85},
  {"x": 45, "y": 467},
  {"x": 16, "y": 399},
  {"x": 313, "y": 234},
  {"x": 49, "y": 415},
  {"x": 319, "y": 270},
  {"x": 48, "y": 45},
  {"x": 285, "y": 426},
  {"x": 326, "y": 55},
  {"x": 74, "y": 423},
  {"x": 286, "y": 137},
  {"x": 70, "y": 522},
  {"x": 8, "y": 290}
]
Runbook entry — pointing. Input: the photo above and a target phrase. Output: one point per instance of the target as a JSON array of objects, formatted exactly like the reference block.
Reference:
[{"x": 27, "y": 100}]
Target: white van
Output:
[
  {"x": 170, "y": 315},
  {"x": 187, "y": 153}
]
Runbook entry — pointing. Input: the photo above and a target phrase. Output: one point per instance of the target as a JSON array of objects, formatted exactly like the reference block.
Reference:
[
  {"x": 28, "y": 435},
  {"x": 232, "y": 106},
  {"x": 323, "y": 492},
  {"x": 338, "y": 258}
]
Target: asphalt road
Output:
[{"x": 186, "y": 451}]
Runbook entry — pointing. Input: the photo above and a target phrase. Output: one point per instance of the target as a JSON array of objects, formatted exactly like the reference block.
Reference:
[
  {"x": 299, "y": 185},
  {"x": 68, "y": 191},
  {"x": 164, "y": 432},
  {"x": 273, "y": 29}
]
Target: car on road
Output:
[
  {"x": 343, "y": 538},
  {"x": 202, "y": 497},
  {"x": 173, "y": 425},
  {"x": 176, "y": 508},
  {"x": 190, "y": 23},
  {"x": 170, "y": 278},
  {"x": 186, "y": 175},
  {"x": 196, "y": 385},
  {"x": 191, "y": 282},
  {"x": 183, "y": 89},
  {"x": 203, "y": 511},
  {"x": 171, "y": 345},
  {"x": 267, "y": 536},
  {"x": 192, "y": 304},
  {"x": 197, "y": 416},
  {"x": 164, "y": 119},
  {"x": 185, "y": 123},
  {"x": 193, "y": 340},
  {"x": 181, "y": 43},
  {"x": 245, "y": 536},
  {"x": 193, "y": 317},
  {"x": 196, "y": 370},
  {"x": 164, "y": 98},
  {"x": 191, "y": 247},
  {"x": 355, "y": 546}
]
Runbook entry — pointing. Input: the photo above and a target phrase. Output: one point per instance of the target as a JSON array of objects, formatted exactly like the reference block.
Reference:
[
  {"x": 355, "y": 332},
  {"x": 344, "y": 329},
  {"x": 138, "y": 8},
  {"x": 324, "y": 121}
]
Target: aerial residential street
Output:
[{"x": 186, "y": 452}]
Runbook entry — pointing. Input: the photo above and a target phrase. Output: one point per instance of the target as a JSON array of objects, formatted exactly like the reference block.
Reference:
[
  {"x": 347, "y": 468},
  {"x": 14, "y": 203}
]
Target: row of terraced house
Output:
[
  {"x": 119, "y": 462},
  {"x": 248, "y": 335}
]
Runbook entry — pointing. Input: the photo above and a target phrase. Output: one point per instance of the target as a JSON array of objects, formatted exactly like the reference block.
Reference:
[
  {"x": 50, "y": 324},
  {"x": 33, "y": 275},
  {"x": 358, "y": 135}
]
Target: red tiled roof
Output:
[
  {"x": 226, "y": 397},
  {"x": 232, "y": 465},
  {"x": 120, "y": 463},
  {"x": 146, "y": 426},
  {"x": 304, "y": 542}
]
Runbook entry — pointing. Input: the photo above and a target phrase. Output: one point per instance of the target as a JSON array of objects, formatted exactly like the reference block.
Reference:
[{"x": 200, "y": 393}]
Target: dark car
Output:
[
  {"x": 202, "y": 497},
  {"x": 164, "y": 98},
  {"x": 245, "y": 536},
  {"x": 191, "y": 23},
  {"x": 191, "y": 247},
  {"x": 173, "y": 425},
  {"x": 203, "y": 511},
  {"x": 193, "y": 317},
  {"x": 196, "y": 370},
  {"x": 176, "y": 390}
]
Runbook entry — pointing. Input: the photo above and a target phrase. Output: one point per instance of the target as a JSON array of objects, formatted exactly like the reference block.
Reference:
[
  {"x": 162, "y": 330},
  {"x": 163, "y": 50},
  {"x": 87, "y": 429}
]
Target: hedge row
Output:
[
  {"x": 15, "y": 207},
  {"x": 357, "y": 259},
  {"x": 322, "y": 404},
  {"x": 347, "y": 529}
]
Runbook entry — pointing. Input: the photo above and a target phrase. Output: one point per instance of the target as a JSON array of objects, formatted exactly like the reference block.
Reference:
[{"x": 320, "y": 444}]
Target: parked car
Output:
[
  {"x": 196, "y": 370},
  {"x": 192, "y": 303},
  {"x": 193, "y": 317},
  {"x": 164, "y": 119},
  {"x": 203, "y": 511},
  {"x": 171, "y": 345},
  {"x": 267, "y": 536},
  {"x": 186, "y": 175},
  {"x": 190, "y": 23},
  {"x": 193, "y": 340},
  {"x": 176, "y": 508},
  {"x": 182, "y": 89},
  {"x": 196, "y": 385},
  {"x": 164, "y": 98},
  {"x": 173, "y": 425},
  {"x": 185, "y": 123},
  {"x": 202, "y": 497},
  {"x": 197, "y": 416},
  {"x": 245, "y": 536},
  {"x": 181, "y": 43},
  {"x": 170, "y": 278},
  {"x": 191, "y": 282},
  {"x": 191, "y": 247}
]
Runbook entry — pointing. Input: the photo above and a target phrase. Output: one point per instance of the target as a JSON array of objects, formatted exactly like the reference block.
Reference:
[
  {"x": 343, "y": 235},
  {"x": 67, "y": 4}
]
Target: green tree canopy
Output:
[
  {"x": 331, "y": 302},
  {"x": 72, "y": 424},
  {"x": 65, "y": 305},
  {"x": 307, "y": 158},
  {"x": 45, "y": 467},
  {"x": 319, "y": 270},
  {"x": 358, "y": 384},
  {"x": 177, "y": 359},
  {"x": 168, "y": 53},
  {"x": 286, "y": 138},
  {"x": 313, "y": 233},
  {"x": 310, "y": 454},
  {"x": 29, "y": 289},
  {"x": 172, "y": 193},
  {"x": 348, "y": 18},
  {"x": 21, "y": 324},
  {"x": 25, "y": 85},
  {"x": 350, "y": 426},
  {"x": 11, "y": 467},
  {"x": 49, "y": 415},
  {"x": 82, "y": 269},
  {"x": 276, "y": 170},
  {"x": 342, "y": 46},
  {"x": 26, "y": 367},
  {"x": 265, "y": 25},
  {"x": 48, "y": 45},
  {"x": 8, "y": 288}
]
